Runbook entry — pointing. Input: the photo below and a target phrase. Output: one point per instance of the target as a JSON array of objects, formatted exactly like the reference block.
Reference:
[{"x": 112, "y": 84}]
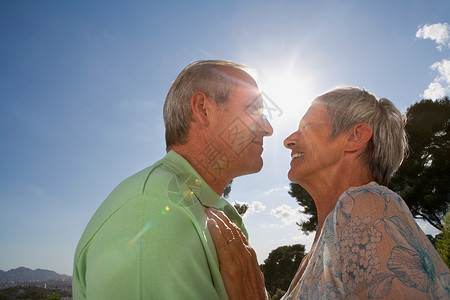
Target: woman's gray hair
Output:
[
  {"x": 207, "y": 76},
  {"x": 386, "y": 149}
]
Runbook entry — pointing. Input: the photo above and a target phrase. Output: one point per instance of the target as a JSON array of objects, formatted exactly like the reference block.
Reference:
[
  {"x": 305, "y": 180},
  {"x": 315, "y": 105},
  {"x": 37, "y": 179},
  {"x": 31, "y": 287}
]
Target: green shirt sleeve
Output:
[{"x": 159, "y": 255}]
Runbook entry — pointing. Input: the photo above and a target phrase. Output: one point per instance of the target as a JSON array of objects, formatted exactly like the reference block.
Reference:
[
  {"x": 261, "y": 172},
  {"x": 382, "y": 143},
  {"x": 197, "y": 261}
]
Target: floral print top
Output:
[{"x": 370, "y": 247}]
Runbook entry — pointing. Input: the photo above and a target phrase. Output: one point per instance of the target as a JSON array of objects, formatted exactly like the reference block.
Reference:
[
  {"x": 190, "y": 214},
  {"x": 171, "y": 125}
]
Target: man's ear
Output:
[
  {"x": 200, "y": 108},
  {"x": 358, "y": 137}
]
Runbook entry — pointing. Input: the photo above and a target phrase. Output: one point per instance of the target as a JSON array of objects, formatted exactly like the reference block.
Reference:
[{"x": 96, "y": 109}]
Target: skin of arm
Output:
[{"x": 239, "y": 267}]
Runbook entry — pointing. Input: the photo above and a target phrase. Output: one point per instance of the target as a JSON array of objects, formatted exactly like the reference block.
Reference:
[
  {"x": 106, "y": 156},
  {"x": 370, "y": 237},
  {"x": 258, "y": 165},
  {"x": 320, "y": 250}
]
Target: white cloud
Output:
[
  {"x": 439, "y": 32},
  {"x": 283, "y": 188},
  {"x": 287, "y": 214},
  {"x": 434, "y": 91},
  {"x": 253, "y": 208},
  {"x": 256, "y": 207},
  {"x": 440, "y": 86},
  {"x": 443, "y": 68},
  {"x": 304, "y": 239},
  {"x": 270, "y": 225}
]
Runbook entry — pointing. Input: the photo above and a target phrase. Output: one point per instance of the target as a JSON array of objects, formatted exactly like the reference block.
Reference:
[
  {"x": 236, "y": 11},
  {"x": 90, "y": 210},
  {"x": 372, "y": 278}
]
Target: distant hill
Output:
[
  {"x": 33, "y": 292},
  {"x": 22, "y": 274}
]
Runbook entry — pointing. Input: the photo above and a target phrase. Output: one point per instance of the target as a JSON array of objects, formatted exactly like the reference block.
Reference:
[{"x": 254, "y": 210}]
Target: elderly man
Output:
[{"x": 149, "y": 239}]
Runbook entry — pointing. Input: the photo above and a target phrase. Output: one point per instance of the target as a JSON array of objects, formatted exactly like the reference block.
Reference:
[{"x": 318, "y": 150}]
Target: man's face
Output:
[
  {"x": 313, "y": 154},
  {"x": 238, "y": 128}
]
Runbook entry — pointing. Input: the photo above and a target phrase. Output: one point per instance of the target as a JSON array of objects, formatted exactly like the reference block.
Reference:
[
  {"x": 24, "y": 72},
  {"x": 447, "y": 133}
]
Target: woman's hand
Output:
[{"x": 239, "y": 267}]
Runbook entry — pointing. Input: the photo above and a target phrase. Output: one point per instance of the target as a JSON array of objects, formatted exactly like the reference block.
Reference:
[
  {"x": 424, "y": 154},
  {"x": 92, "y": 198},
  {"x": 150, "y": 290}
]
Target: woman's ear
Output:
[
  {"x": 200, "y": 108},
  {"x": 358, "y": 137}
]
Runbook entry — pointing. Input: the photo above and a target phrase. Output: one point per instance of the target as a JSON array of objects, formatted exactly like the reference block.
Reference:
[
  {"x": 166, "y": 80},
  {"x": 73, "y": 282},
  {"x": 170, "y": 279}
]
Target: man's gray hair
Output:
[
  {"x": 207, "y": 76},
  {"x": 348, "y": 106}
]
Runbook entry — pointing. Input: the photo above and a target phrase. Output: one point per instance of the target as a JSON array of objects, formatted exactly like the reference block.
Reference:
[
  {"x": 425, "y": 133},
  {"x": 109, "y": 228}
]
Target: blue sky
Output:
[{"x": 82, "y": 85}]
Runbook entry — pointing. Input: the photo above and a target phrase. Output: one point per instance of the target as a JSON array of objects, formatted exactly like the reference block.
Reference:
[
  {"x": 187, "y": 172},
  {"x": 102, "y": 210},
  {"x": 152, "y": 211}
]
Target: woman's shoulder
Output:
[
  {"x": 371, "y": 199},
  {"x": 372, "y": 189},
  {"x": 366, "y": 204}
]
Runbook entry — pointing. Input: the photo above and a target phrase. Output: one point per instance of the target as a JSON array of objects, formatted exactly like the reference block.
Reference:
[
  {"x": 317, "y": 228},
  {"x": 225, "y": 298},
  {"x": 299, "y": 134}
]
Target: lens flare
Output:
[
  {"x": 165, "y": 210},
  {"x": 147, "y": 226}
]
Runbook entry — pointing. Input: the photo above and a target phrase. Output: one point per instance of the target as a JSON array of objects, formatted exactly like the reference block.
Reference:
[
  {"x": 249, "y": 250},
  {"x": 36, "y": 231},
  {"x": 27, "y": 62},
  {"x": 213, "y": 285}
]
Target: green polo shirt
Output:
[{"x": 149, "y": 238}]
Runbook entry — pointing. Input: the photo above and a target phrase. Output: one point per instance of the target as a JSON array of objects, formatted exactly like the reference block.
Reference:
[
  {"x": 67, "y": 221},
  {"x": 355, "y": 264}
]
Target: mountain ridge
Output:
[{"x": 23, "y": 274}]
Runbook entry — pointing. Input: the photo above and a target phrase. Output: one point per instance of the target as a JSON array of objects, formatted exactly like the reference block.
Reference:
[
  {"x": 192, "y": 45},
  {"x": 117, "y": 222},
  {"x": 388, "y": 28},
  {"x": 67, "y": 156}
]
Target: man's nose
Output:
[{"x": 267, "y": 127}]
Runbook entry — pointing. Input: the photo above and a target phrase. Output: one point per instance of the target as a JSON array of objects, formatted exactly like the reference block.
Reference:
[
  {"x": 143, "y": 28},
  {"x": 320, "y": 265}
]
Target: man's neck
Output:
[{"x": 217, "y": 180}]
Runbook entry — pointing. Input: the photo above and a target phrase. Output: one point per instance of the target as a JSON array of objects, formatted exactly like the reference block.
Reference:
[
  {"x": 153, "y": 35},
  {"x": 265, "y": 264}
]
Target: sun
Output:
[{"x": 288, "y": 93}]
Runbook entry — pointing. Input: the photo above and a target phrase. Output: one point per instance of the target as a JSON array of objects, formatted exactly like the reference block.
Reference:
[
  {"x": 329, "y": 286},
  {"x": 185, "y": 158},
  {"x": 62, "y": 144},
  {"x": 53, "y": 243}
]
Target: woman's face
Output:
[{"x": 313, "y": 154}]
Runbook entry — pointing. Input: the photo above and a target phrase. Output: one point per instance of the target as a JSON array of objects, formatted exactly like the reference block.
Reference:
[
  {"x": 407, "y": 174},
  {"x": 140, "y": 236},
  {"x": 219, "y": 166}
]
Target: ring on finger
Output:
[{"x": 230, "y": 240}]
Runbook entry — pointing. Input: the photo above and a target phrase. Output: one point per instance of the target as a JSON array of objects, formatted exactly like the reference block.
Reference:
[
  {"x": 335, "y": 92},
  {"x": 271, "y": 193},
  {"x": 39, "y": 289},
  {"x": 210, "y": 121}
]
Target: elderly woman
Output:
[{"x": 367, "y": 244}]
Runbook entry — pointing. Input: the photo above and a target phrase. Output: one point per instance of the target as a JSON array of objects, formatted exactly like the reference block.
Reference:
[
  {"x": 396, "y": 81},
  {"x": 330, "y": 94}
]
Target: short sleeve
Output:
[{"x": 382, "y": 253}]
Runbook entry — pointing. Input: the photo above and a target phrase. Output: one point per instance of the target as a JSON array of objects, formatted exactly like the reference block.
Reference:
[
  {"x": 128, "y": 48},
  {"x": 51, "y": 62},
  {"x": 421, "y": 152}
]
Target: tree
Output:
[
  {"x": 423, "y": 180},
  {"x": 53, "y": 296},
  {"x": 241, "y": 208},
  {"x": 309, "y": 207},
  {"x": 33, "y": 292},
  {"x": 227, "y": 190},
  {"x": 278, "y": 294},
  {"x": 280, "y": 267},
  {"x": 443, "y": 240}
]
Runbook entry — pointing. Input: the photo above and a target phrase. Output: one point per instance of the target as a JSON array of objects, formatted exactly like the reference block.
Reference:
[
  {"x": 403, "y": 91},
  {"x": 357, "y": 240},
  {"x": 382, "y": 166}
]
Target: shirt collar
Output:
[
  {"x": 195, "y": 185},
  {"x": 193, "y": 180}
]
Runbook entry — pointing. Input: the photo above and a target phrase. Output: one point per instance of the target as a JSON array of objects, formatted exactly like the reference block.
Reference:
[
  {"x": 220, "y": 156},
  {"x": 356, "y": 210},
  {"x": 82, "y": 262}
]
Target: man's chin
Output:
[{"x": 255, "y": 167}]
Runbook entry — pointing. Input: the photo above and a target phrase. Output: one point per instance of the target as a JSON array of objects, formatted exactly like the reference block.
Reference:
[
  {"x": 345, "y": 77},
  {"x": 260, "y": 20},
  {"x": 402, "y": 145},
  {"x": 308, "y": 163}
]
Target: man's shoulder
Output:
[
  {"x": 153, "y": 180},
  {"x": 135, "y": 184},
  {"x": 127, "y": 193}
]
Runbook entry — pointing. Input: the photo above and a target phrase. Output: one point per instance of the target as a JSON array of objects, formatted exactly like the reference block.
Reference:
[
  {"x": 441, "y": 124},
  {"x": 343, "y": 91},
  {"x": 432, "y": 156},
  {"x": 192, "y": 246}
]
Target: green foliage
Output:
[
  {"x": 227, "y": 190},
  {"x": 241, "y": 207},
  {"x": 278, "y": 295},
  {"x": 280, "y": 267},
  {"x": 432, "y": 239},
  {"x": 53, "y": 296},
  {"x": 423, "y": 180},
  {"x": 309, "y": 207},
  {"x": 32, "y": 292},
  {"x": 443, "y": 240}
]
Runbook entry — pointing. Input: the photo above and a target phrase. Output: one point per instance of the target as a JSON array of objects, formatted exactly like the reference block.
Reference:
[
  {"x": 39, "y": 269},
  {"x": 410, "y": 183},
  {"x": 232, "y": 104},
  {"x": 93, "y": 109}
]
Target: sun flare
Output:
[{"x": 289, "y": 93}]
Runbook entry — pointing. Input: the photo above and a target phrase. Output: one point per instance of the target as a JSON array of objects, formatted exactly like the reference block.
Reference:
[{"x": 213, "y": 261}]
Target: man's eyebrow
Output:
[{"x": 256, "y": 103}]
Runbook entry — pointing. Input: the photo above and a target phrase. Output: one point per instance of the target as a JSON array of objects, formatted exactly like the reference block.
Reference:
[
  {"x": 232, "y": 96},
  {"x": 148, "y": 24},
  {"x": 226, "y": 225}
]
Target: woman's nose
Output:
[{"x": 289, "y": 142}]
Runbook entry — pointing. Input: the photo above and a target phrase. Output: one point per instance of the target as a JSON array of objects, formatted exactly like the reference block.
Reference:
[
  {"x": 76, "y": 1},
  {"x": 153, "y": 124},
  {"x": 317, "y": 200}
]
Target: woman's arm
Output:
[{"x": 239, "y": 267}]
